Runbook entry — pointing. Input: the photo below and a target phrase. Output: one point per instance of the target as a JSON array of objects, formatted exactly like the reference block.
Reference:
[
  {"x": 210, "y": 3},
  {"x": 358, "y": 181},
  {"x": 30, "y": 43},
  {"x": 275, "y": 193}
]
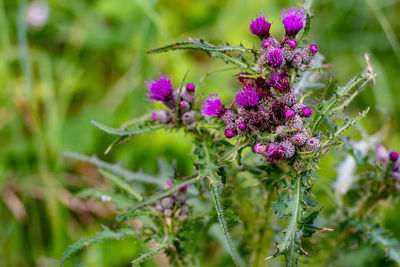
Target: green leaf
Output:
[
  {"x": 133, "y": 215},
  {"x": 121, "y": 184},
  {"x": 216, "y": 187},
  {"x": 103, "y": 235},
  {"x": 167, "y": 242},
  {"x": 138, "y": 129},
  {"x": 163, "y": 193},
  {"x": 295, "y": 206},
  {"x": 121, "y": 202},
  {"x": 208, "y": 167},
  {"x": 117, "y": 169},
  {"x": 224, "y": 52},
  {"x": 388, "y": 243}
]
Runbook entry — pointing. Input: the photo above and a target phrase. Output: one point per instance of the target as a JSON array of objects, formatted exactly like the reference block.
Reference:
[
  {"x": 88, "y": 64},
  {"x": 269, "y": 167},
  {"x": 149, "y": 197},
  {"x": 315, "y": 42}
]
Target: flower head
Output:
[
  {"x": 160, "y": 90},
  {"x": 306, "y": 112},
  {"x": 280, "y": 82},
  {"x": 259, "y": 148},
  {"x": 289, "y": 114},
  {"x": 275, "y": 58},
  {"x": 242, "y": 125},
  {"x": 313, "y": 48},
  {"x": 260, "y": 27},
  {"x": 190, "y": 87},
  {"x": 247, "y": 98},
  {"x": 229, "y": 133},
  {"x": 292, "y": 44},
  {"x": 293, "y": 20},
  {"x": 212, "y": 107},
  {"x": 394, "y": 155},
  {"x": 275, "y": 153}
]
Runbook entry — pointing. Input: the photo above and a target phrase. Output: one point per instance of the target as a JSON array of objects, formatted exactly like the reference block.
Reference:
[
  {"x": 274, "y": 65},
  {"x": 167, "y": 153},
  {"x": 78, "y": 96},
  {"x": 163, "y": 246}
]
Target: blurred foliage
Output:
[{"x": 89, "y": 62}]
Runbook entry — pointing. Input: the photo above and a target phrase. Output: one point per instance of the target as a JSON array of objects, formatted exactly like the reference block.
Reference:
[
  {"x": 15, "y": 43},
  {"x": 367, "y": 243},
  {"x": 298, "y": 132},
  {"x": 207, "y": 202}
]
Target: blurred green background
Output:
[{"x": 88, "y": 60}]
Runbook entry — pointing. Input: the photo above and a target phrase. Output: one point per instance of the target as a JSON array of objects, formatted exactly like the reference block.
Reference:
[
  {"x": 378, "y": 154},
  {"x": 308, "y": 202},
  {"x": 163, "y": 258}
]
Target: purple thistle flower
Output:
[
  {"x": 212, "y": 107},
  {"x": 280, "y": 82},
  {"x": 292, "y": 44},
  {"x": 153, "y": 116},
  {"x": 260, "y": 27},
  {"x": 293, "y": 20},
  {"x": 289, "y": 114},
  {"x": 229, "y": 133},
  {"x": 275, "y": 58},
  {"x": 242, "y": 125},
  {"x": 266, "y": 43},
  {"x": 259, "y": 148},
  {"x": 394, "y": 155},
  {"x": 313, "y": 48},
  {"x": 183, "y": 188},
  {"x": 306, "y": 112},
  {"x": 247, "y": 98},
  {"x": 190, "y": 87},
  {"x": 169, "y": 183},
  {"x": 275, "y": 153},
  {"x": 160, "y": 90}
]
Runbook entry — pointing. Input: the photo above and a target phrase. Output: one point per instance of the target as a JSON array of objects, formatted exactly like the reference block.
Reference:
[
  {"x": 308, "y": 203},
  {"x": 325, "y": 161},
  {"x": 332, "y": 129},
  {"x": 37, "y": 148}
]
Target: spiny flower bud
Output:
[
  {"x": 190, "y": 87},
  {"x": 189, "y": 119},
  {"x": 275, "y": 153},
  {"x": 188, "y": 95},
  {"x": 306, "y": 112},
  {"x": 313, "y": 48},
  {"x": 229, "y": 118},
  {"x": 229, "y": 133},
  {"x": 292, "y": 44},
  {"x": 242, "y": 125},
  {"x": 298, "y": 108},
  {"x": 295, "y": 123},
  {"x": 260, "y": 148},
  {"x": 289, "y": 114},
  {"x": 184, "y": 106},
  {"x": 299, "y": 139},
  {"x": 311, "y": 145},
  {"x": 289, "y": 149},
  {"x": 267, "y": 43},
  {"x": 298, "y": 164},
  {"x": 163, "y": 116},
  {"x": 394, "y": 155},
  {"x": 381, "y": 154},
  {"x": 289, "y": 98}
]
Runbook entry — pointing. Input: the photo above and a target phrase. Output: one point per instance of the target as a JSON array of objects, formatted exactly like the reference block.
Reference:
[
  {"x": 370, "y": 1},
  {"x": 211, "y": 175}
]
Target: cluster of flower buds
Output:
[
  {"x": 175, "y": 205},
  {"x": 384, "y": 158},
  {"x": 287, "y": 53},
  {"x": 161, "y": 90},
  {"x": 266, "y": 103}
]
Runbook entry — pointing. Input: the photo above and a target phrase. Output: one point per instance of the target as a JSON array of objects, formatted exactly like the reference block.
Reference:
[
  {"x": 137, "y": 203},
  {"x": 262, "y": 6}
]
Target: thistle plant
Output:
[{"x": 254, "y": 160}]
